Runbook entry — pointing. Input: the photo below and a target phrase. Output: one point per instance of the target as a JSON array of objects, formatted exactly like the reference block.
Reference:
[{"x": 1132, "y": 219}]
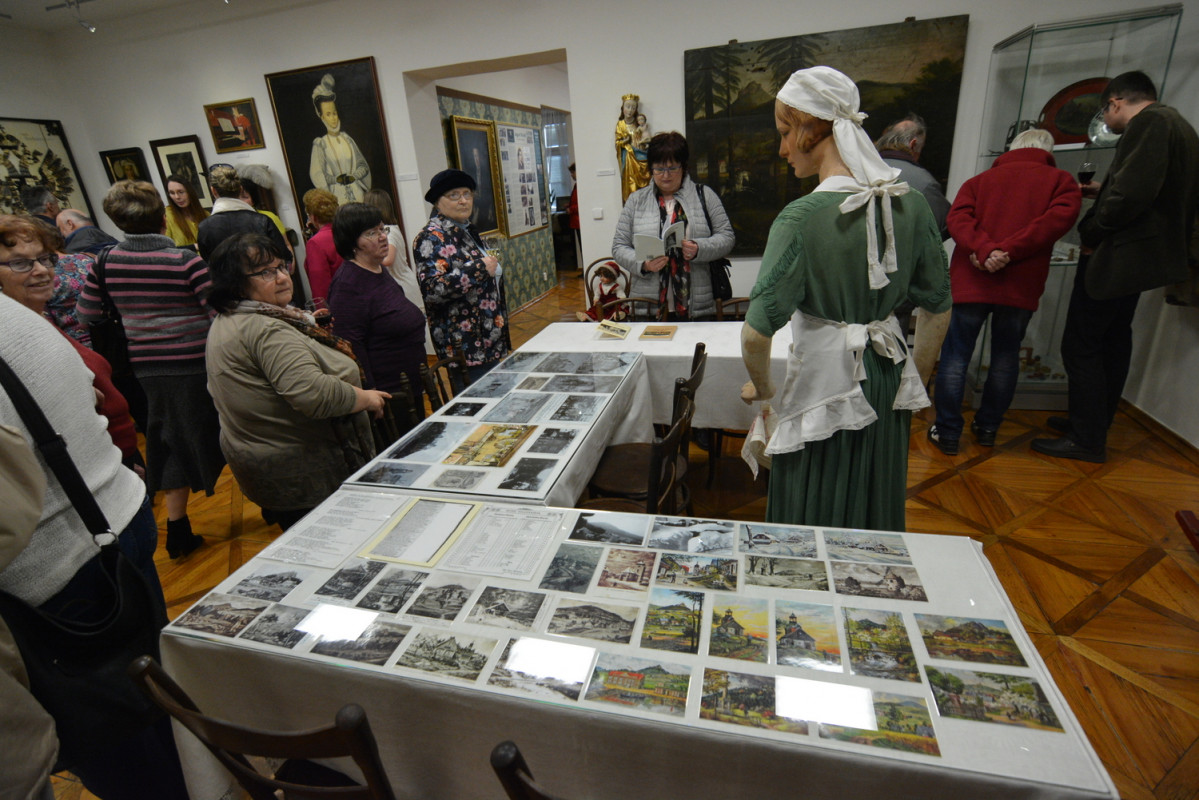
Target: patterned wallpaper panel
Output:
[{"x": 528, "y": 260}]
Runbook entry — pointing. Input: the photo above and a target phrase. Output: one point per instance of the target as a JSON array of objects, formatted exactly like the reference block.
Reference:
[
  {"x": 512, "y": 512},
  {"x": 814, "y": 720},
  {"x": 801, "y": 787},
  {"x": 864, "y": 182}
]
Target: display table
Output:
[
  {"x": 635, "y": 657},
  {"x": 718, "y": 403}
]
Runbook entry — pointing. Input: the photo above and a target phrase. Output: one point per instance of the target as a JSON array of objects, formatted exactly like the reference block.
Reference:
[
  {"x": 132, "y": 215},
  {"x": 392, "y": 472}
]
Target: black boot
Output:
[{"x": 180, "y": 539}]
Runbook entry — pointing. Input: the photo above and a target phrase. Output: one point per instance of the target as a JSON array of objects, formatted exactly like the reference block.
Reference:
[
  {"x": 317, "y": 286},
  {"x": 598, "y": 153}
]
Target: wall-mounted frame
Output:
[
  {"x": 475, "y": 144},
  {"x": 127, "y": 163},
  {"x": 524, "y": 189},
  {"x": 181, "y": 156},
  {"x": 358, "y": 158},
  {"x": 35, "y": 152},
  {"x": 234, "y": 125}
]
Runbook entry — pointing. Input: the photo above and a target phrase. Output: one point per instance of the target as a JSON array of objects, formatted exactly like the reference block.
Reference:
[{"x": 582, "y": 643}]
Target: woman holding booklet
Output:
[{"x": 690, "y": 228}]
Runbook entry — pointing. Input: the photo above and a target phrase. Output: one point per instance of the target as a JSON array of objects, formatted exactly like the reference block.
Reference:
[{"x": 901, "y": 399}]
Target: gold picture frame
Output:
[{"x": 478, "y": 156}]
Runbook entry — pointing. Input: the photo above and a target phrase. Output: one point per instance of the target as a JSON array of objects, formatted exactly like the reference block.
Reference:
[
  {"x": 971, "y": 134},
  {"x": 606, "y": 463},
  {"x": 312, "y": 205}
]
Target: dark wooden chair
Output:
[
  {"x": 733, "y": 309},
  {"x": 401, "y": 413},
  {"x": 636, "y": 309},
  {"x": 515, "y": 775},
  {"x": 349, "y": 736},
  {"x": 444, "y": 379}
]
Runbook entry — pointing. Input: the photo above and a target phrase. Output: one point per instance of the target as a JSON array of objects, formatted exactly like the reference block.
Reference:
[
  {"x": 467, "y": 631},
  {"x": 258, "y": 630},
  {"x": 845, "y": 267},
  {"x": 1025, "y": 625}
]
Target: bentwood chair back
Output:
[
  {"x": 400, "y": 414},
  {"x": 733, "y": 309},
  {"x": 591, "y": 279},
  {"x": 444, "y": 379},
  {"x": 636, "y": 309},
  {"x": 515, "y": 775},
  {"x": 349, "y": 737}
]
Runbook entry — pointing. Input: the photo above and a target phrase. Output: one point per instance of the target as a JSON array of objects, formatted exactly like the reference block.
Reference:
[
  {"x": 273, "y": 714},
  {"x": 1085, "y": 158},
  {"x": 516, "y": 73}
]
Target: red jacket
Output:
[
  {"x": 321, "y": 261},
  {"x": 1021, "y": 205}
]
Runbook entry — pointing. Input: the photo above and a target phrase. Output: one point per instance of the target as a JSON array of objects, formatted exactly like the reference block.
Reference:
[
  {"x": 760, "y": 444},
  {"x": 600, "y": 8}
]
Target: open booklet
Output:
[{"x": 649, "y": 247}]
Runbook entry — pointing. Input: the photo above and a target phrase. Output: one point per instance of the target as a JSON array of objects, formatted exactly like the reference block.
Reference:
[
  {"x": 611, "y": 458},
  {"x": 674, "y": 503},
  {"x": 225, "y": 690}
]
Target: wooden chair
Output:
[
  {"x": 515, "y": 775},
  {"x": 349, "y": 736},
  {"x": 637, "y": 309},
  {"x": 443, "y": 379},
  {"x": 735, "y": 308},
  {"x": 401, "y": 413}
]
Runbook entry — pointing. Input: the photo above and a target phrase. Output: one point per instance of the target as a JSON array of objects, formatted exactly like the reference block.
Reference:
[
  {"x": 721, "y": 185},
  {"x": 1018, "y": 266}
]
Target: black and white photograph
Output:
[
  {"x": 549, "y": 670},
  {"x": 786, "y": 573},
  {"x": 517, "y": 407},
  {"x": 448, "y": 655},
  {"x": 374, "y": 646},
  {"x": 777, "y": 540},
  {"x": 270, "y": 583},
  {"x": 507, "y": 608},
  {"x": 610, "y": 527},
  {"x": 876, "y": 580},
  {"x": 393, "y": 473},
  {"x": 565, "y": 363},
  {"x": 522, "y": 362},
  {"x": 277, "y": 626},
  {"x": 687, "y": 535},
  {"x": 431, "y": 441},
  {"x": 348, "y": 582},
  {"x": 529, "y": 474},
  {"x": 458, "y": 480},
  {"x": 392, "y": 590},
  {"x": 493, "y": 384},
  {"x": 463, "y": 409},
  {"x": 222, "y": 614},
  {"x": 533, "y": 383},
  {"x": 596, "y": 384},
  {"x": 443, "y": 597},
  {"x": 867, "y": 546},
  {"x": 603, "y": 621},
  {"x": 572, "y": 568},
  {"x": 553, "y": 441},
  {"x": 577, "y": 408}
]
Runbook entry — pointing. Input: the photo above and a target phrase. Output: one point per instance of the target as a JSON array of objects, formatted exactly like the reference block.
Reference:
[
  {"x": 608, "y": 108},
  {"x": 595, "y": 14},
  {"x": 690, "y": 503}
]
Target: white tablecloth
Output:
[{"x": 718, "y": 404}]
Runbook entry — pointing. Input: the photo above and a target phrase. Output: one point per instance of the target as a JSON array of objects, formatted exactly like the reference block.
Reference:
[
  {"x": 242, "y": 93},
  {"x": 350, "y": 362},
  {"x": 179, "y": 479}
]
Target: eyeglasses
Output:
[
  {"x": 380, "y": 230},
  {"x": 49, "y": 261},
  {"x": 665, "y": 170},
  {"x": 270, "y": 273},
  {"x": 458, "y": 196}
]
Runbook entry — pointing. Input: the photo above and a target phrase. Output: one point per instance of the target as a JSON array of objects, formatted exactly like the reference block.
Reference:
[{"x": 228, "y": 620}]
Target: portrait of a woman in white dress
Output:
[{"x": 337, "y": 164}]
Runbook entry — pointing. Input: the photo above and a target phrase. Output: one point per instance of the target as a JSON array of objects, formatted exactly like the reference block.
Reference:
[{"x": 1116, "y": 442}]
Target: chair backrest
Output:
[
  {"x": 591, "y": 279},
  {"x": 514, "y": 774},
  {"x": 443, "y": 379},
  {"x": 349, "y": 736},
  {"x": 661, "y": 495},
  {"x": 735, "y": 308},
  {"x": 400, "y": 415},
  {"x": 691, "y": 384},
  {"x": 638, "y": 309}
]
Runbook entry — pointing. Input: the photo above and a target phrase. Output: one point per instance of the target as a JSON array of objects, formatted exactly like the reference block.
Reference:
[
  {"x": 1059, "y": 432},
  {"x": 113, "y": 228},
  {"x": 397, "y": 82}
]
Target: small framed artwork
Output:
[
  {"x": 478, "y": 156},
  {"x": 181, "y": 156},
  {"x": 35, "y": 152},
  {"x": 234, "y": 125},
  {"x": 126, "y": 164}
]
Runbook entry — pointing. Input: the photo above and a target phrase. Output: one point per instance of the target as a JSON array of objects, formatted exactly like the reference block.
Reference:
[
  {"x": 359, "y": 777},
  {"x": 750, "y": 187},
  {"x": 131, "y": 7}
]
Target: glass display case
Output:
[{"x": 1050, "y": 76}]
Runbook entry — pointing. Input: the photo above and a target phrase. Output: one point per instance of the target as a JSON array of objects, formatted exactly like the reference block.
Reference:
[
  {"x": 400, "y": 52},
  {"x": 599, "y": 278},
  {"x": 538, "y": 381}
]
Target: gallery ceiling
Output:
[{"x": 57, "y": 17}]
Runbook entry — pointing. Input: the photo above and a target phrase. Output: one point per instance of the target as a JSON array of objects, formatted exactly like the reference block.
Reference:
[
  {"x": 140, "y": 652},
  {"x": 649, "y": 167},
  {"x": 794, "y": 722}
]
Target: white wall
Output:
[{"x": 148, "y": 78}]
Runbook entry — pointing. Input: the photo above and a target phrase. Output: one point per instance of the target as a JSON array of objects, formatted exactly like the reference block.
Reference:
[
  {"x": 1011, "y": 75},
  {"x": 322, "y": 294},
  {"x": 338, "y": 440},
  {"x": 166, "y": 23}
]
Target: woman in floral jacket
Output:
[{"x": 460, "y": 282}]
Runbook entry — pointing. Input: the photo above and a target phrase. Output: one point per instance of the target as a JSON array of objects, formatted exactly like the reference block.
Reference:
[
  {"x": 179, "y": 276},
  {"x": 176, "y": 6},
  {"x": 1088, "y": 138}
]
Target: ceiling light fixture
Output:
[{"x": 87, "y": 26}]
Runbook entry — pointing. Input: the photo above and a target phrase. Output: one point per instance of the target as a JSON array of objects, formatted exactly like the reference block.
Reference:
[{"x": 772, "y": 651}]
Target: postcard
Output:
[
  {"x": 517, "y": 407},
  {"x": 740, "y": 629},
  {"x": 392, "y": 591},
  {"x": 489, "y": 445},
  {"x": 658, "y": 332},
  {"x": 786, "y": 573},
  {"x": 449, "y": 655},
  {"x": 985, "y": 641},
  {"x": 578, "y": 408},
  {"x": 423, "y": 532},
  {"x": 572, "y": 568},
  {"x": 640, "y": 683},
  {"x": 566, "y": 363},
  {"x": 533, "y": 383},
  {"x": 374, "y": 646},
  {"x": 777, "y": 540},
  {"x": 530, "y": 475},
  {"x": 392, "y": 473},
  {"x": 806, "y": 636},
  {"x": 611, "y": 329},
  {"x": 506, "y": 541},
  {"x": 270, "y": 583},
  {"x": 430, "y": 441},
  {"x": 603, "y": 621},
  {"x": 221, "y": 614},
  {"x": 548, "y": 670},
  {"x": 992, "y": 697},
  {"x": 878, "y": 645},
  {"x": 458, "y": 480},
  {"x": 674, "y": 621},
  {"x": 493, "y": 384},
  {"x": 699, "y": 572},
  {"x": 554, "y": 441},
  {"x": 876, "y": 580},
  {"x": 506, "y": 608},
  {"x": 688, "y": 535},
  {"x": 627, "y": 570},
  {"x": 869, "y": 546},
  {"x": 610, "y": 528},
  {"x": 521, "y": 361},
  {"x": 902, "y": 723},
  {"x": 348, "y": 582},
  {"x": 740, "y": 699},
  {"x": 462, "y": 409},
  {"x": 594, "y": 384},
  {"x": 277, "y": 626},
  {"x": 443, "y": 596}
]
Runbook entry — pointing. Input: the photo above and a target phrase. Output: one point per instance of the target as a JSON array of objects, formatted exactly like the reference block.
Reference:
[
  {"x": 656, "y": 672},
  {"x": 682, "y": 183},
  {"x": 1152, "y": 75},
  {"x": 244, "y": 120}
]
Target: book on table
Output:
[{"x": 658, "y": 332}]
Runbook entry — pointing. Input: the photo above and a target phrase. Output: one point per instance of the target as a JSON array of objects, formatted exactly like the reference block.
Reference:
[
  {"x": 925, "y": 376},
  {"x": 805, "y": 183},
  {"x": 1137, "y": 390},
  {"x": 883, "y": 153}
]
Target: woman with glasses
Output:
[
  {"x": 461, "y": 283},
  {"x": 680, "y": 279},
  {"x": 184, "y": 212},
  {"x": 289, "y": 392},
  {"x": 158, "y": 290},
  {"x": 370, "y": 311}
]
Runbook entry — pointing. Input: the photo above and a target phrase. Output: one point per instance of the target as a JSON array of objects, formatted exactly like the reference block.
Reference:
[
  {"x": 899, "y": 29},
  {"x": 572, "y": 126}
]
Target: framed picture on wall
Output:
[
  {"x": 128, "y": 163},
  {"x": 34, "y": 152},
  {"x": 181, "y": 156},
  {"x": 524, "y": 190},
  {"x": 330, "y": 118},
  {"x": 475, "y": 143},
  {"x": 234, "y": 125}
]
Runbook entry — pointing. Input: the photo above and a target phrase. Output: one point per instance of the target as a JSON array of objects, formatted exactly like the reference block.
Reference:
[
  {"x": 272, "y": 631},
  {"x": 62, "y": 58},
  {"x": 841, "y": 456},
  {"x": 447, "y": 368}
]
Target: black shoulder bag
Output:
[
  {"x": 77, "y": 669},
  {"x": 722, "y": 286},
  {"x": 108, "y": 332}
]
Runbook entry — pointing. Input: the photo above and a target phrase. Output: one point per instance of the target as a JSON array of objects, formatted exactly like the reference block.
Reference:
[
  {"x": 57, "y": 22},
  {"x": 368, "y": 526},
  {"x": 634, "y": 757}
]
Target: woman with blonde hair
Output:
[{"x": 184, "y": 212}]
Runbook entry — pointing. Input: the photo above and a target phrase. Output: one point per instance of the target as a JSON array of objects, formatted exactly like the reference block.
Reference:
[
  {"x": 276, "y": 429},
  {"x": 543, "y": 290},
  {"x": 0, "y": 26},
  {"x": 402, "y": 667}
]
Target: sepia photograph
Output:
[
  {"x": 985, "y": 641},
  {"x": 878, "y": 645},
  {"x": 640, "y": 683},
  {"x": 595, "y": 384},
  {"x": 627, "y": 570},
  {"x": 221, "y": 614},
  {"x": 517, "y": 407},
  {"x": 577, "y": 408},
  {"x": 458, "y": 480},
  {"x": 430, "y": 441},
  {"x": 777, "y": 540},
  {"x": 443, "y": 597},
  {"x": 806, "y": 636},
  {"x": 610, "y": 527},
  {"x": 530, "y": 475},
  {"x": 786, "y": 573},
  {"x": 688, "y": 535},
  {"x": 901, "y": 723},
  {"x": 871, "y": 580},
  {"x": 392, "y": 590},
  {"x": 507, "y": 608},
  {"x": 698, "y": 572},
  {"x": 448, "y": 655},
  {"x": 277, "y": 626},
  {"x": 740, "y": 699},
  {"x": 867, "y": 546},
  {"x": 992, "y": 697},
  {"x": 462, "y": 409},
  {"x": 493, "y": 384},
  {"x": 554, "y": 441},
  {"x": 587, "y": 620},
  {"x": 270, "y": 583},
  {"x": 740, "y": 629},
  {"x": 546, "y": 670},
  {"x": 374, "y": 646},
  {"x": 348, "y": 582},
  {"x": 393, "y": 473},
  {"x": 572, "y": 568}
]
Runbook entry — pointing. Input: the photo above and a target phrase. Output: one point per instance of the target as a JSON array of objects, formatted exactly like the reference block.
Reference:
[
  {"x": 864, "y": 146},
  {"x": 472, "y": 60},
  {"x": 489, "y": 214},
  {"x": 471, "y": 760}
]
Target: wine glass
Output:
[{"x": 1086, "y": 172}]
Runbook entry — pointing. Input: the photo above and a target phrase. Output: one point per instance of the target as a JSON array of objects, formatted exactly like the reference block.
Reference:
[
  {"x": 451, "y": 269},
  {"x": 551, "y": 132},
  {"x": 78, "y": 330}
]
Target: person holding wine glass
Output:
[{"x": 1004, "y": 223}]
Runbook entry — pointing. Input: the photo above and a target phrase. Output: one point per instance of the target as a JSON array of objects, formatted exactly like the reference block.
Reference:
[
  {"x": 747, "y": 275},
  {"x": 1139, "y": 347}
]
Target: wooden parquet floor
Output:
[{"x": 1103, "y": 579}]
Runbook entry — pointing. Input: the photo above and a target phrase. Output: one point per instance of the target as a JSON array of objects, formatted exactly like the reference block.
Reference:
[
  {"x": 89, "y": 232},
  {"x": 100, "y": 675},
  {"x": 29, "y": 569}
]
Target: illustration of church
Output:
[
  {"x": 729, "y": 626},
  {"x": 795, "y": 636}
]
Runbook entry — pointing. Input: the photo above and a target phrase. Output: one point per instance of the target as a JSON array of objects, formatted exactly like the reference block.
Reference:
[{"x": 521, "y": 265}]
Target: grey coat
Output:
[{"x": 641, "y": 215}]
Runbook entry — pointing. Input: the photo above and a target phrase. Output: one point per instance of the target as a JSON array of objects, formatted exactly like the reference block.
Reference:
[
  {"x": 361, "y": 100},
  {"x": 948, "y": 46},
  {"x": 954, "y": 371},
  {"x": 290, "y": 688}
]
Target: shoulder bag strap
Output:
[
  {"x": 703, "y": 203},
  {"x": 54, "y": 450},
  {"x": 106, "y": 302}
]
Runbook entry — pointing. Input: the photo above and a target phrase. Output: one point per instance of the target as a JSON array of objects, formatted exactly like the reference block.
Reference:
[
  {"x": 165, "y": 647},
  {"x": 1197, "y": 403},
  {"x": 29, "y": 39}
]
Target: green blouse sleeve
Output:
[
  {"x": 782, "y": 279},
  {"x": 929, "y": 286}
]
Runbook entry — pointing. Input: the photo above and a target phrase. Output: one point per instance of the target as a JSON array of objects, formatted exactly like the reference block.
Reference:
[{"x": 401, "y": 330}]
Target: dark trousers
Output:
[{"x": 1096, "y": 352}]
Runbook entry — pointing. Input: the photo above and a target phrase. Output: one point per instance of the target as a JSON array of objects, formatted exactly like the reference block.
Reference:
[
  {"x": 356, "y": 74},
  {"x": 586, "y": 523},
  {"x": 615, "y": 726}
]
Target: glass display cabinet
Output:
[{"x": 1050, "y": 76}]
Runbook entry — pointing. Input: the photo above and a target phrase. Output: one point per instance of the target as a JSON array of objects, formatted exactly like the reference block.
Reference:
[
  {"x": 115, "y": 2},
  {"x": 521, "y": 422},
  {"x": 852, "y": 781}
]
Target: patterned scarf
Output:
[
  {"x": 678, "y": 274},
  {"x": 303, "y": 322}
]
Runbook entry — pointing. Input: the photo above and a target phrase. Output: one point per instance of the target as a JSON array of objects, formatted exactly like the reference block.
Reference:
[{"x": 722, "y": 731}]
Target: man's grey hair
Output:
[
  {"x": 899, "y": 134},
  {"x": 36, "y": 198},
  {"x": 1033, "y": 137}
]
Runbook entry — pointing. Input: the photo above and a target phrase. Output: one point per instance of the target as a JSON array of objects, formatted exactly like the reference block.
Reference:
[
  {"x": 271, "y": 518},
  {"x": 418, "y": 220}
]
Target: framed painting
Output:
[
  {"x": 126, "y": 164},
  {"x": 181, "y": 156},
  {"x": 234, "y": 126},
  {"x": 34, "y": 152},
  {"x": 475, "y": 145},
  {"x": 524, "y": 192},
  {"x": 330, "y": 118},
  {"x": 912, "y": 66}
]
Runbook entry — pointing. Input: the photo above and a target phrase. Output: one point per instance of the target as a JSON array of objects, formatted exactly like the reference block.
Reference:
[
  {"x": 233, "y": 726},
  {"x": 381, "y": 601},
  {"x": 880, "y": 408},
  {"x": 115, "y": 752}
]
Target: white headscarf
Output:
[{"x": 828, "y": 94}]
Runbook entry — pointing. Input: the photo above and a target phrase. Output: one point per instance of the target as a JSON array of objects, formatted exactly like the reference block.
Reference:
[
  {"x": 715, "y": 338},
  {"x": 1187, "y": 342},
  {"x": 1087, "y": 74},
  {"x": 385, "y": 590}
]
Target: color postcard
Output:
[
  {"x": 610, "y": 528},
  {"x": 985, "y": 641},
  {"x": 572, "y": 568},
  {"x": 776, "y": 540},
  {"x": 674, "y": 621},
  {"x": 878, "y": 645},
  {"x": 640, "y": 683},
  {"x": 698, "y": 572},
  {"x": 806, "y": 636},
  {"x": 902, "y": 723},
  {"x": 449, "y": 655},
  {"x": 489, "y": 446},
  {"x": 740, "y": 629},
  {"x": 786, "y": 573},
  {"x": 627, "y": 570},
  {"x": 373, "y": 646},
  {"x": 875, "y": 580},
  {"x": 605, "y": 622},
  {"x": 992, "y": 697},
  {"x": 506, "y": 608},
  {"x": 736, "y": 698},
  {"x": 868, "y": 546},
  {"x": 546, "y": 670},
  {"x": 685, "y": 535}
]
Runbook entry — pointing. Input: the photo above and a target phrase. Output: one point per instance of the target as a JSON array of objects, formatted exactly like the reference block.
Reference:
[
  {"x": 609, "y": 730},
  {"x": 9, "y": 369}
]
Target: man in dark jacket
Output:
[
  {"x": 1134, "y": 238},
  {"x": 81, "y": 233}
]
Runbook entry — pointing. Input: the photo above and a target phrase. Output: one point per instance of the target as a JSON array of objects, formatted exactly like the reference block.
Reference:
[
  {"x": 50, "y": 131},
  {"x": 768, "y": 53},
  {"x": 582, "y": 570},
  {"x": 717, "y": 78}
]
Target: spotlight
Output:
[{"x": 87, "y": 26}]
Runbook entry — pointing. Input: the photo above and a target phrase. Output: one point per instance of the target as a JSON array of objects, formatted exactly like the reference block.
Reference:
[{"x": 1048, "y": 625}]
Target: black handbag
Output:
[
  {"x": 108, "y": 332},
  {"x": 720, "y": 268},
  {"x": 77, "y": 669}
]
